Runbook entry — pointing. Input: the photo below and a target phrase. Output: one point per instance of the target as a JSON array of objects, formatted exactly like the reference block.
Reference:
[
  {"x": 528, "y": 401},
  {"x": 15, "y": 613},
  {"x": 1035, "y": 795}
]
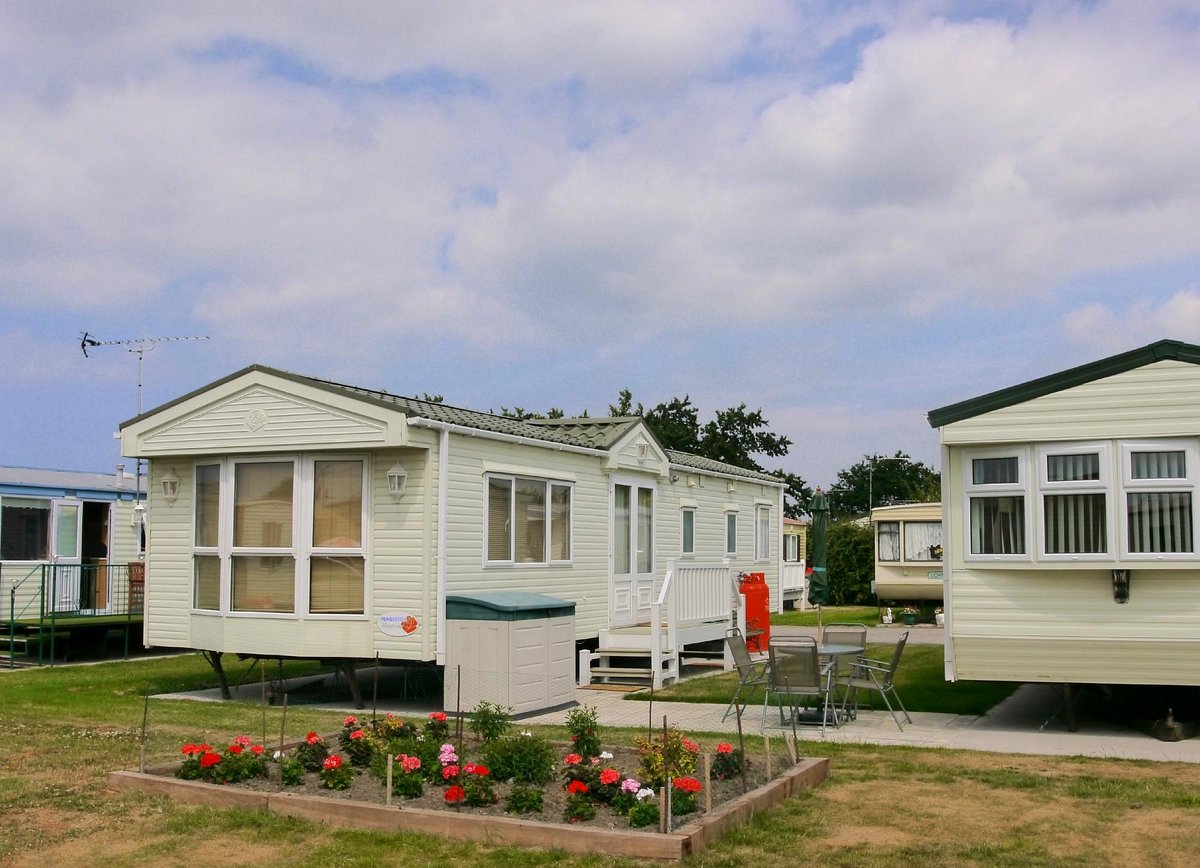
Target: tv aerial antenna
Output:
[{"x": 141, "y": 346}]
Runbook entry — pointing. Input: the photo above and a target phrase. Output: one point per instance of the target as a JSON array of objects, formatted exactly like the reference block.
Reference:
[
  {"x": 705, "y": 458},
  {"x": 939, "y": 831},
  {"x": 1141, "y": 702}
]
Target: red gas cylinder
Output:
[{"x": 758, "y": 610}]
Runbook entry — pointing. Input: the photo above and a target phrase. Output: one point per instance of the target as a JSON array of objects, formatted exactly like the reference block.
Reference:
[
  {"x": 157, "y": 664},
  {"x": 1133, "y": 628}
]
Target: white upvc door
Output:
[
  {"x": 65, "y": 553},
  {"x": 632, "y": 583}
]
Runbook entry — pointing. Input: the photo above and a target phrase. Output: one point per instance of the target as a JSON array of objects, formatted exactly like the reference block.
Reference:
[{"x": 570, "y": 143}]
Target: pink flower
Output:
[
  {"x": 608, "y": 777},
  {"x": 724, "y": 747},
  {"x": 631, "y": 785},
  {"x": 332, "y": 762},
  {"x": 691, "y": 746},
  {"x": 408, "y": 763},
  {"x": 243, "y": 740},
  {"x": 572, "y": 759}
]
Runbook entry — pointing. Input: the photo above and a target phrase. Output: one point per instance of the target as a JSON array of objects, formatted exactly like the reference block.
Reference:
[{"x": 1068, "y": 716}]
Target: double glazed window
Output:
[
  {"x": 24, "y": 529},
  {"x": 762, "y": 533},
  {"x": 687, "y": 519},
  {"x": 1107, "y": 500},
  {"x": 528, "y": 520},
  {"x": 920, "y": 540},
  {"x": 280, "y": 536}
]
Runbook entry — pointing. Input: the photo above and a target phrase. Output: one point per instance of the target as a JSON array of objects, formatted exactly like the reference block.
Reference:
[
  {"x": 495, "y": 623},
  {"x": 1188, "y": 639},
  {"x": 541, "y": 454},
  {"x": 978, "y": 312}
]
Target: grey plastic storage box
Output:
[{"x": 512, "y": 648}]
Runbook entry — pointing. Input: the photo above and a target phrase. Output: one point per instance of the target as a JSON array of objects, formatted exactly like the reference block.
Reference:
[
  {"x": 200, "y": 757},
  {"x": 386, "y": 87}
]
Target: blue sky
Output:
[{"x": 844, "y": 213}]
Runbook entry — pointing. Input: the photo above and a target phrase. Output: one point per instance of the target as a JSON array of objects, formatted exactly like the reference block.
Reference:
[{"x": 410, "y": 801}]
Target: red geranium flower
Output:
[
  {"x": 577, "y": 787},
  {"x": 686, "y": 785},
  {"x": 350, "y": 720},
  {"x": 243, "y": 740},
  {"x": 189, "y": 749},
  {"x": 357, "y": 734},
  {"x": 332, "y": 762},
  {"x": 438, "y": 716},
  {"x": 257, "y": 750},
  {"x": 724, "y": 747},
  {"x": 690, "y": 746},
  {"x": 573, "y": 759},
  {"x": 235, "y": 748},
  {"x": 209, "y": 759},
  {"x": 482, "y": 771},
  {"x": 449, "y": 772},
  {"x": 312, "y": 738},
  {"x": 609, "y": 776},
  {"x": 455, "y": 794}
]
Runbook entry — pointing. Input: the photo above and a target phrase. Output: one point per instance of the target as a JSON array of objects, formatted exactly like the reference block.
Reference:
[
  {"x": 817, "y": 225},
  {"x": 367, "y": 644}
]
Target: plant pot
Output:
[
  {"x": 940, "y": 619},
  {"x": 909, "y": 619}
]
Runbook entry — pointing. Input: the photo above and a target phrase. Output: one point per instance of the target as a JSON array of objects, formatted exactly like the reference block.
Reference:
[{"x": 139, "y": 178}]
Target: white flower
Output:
[
  {"x": 278, "y": 754},
  {"x": 526, "y": 732},
  {"x": 605, "y": 755},
  {"x": 645, "y": 793}
]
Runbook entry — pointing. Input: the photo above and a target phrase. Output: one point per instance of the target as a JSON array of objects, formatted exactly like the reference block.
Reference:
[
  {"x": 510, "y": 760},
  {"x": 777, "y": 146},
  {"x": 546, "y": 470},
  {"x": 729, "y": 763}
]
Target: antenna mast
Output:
[{"x": 141, "y": 346}]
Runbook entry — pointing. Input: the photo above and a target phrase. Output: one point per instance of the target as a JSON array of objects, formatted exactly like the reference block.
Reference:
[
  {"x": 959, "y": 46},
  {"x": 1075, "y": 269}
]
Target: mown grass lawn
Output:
[
  {"x": 62, "y": 729},
  {"x": 868, "y": 615}
]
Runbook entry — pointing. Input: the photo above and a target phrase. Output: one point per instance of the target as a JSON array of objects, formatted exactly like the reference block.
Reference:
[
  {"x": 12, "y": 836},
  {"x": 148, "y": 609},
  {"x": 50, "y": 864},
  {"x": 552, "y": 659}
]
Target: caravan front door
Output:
[
  {"x": 64, "y": 573},
  {"x": 632, "y": 552}
]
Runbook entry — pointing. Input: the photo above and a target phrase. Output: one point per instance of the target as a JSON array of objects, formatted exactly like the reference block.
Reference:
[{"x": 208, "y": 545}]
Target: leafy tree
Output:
[
  {"x": 851, "y": 563},
  {"x": 882, "y": 480},
  {"x": 797, "y": 497}
]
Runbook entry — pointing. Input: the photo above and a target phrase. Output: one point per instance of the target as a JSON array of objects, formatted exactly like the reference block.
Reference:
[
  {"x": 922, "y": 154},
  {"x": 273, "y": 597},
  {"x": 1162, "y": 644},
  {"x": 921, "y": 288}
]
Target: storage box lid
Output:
[{"x": 506, "y": 606}]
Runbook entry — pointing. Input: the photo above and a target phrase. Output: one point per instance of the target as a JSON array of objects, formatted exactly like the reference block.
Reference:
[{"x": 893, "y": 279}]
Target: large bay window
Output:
[
  {"x": 1087, "y": 495},
  {"x": 281, "y": 536},
  {"x": 518, "y": 511}
]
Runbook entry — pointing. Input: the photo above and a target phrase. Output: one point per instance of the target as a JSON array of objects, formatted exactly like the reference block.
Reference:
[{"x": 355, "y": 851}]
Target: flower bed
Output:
[{"x": 517, "y": 788}]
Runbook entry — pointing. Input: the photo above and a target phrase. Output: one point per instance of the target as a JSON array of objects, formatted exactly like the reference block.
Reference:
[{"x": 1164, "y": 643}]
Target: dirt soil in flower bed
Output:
[{"x": 366, "y": 787}]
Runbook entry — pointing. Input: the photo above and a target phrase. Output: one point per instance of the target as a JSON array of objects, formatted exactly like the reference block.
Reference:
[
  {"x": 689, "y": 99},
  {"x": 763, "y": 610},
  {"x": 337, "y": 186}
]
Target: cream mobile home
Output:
[
  {"x": 295, "y": 517},
  {"x": 908, "y": 552},
  {"x": 1070, "y": 516}
]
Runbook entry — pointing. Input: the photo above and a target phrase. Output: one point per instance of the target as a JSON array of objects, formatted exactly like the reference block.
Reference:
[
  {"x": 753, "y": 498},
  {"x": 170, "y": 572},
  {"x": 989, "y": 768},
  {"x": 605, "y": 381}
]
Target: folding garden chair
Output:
[
  {"x": 796, "y": 676},
  {"x": 751, "y": 673},
  {"x": 878, "y": 676}
]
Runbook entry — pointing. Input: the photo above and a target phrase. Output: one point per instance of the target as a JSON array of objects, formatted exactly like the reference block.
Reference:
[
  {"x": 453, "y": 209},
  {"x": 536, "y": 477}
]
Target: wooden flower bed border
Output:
[{"x": 706, "y": 829}]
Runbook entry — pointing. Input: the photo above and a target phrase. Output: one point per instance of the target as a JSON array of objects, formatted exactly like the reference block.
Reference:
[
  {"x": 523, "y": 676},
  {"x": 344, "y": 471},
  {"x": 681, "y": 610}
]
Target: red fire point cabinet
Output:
[{"x": 758, "y": 610}]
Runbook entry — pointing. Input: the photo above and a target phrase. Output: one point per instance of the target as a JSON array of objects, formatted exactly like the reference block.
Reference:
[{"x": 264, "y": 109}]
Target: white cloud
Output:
[{"x": 1109, "y": 329}]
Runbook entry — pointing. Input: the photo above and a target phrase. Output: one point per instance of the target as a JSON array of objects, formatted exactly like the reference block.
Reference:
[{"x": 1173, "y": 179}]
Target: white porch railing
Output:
[
  {"x": 690, "y": 592},
  {"x": 794, "y": 582}
]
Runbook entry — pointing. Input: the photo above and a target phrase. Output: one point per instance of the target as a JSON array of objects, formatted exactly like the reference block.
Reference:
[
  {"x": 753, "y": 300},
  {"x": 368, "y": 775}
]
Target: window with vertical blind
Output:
[
  {"x": 1074, "y": 481},
  {"x": 280, "y": 535},
  {"x": 1159, "y": 479},
  {"x": 995, "y": 504},
  {"x": 528, "y": 520},
  {"x": 762, "y": 533}
]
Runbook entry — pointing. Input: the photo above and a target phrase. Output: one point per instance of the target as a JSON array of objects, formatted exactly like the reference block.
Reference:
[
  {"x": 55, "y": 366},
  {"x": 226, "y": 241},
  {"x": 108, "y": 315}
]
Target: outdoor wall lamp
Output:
[
  {"x": 170, "y": 487},
  {"x": 397, "y": 478},
  {"x": 1120, "y": 585}
]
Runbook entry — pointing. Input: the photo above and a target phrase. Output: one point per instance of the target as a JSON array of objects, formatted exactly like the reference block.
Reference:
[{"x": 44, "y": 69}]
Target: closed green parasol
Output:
[{"x": 818, "y": 579}]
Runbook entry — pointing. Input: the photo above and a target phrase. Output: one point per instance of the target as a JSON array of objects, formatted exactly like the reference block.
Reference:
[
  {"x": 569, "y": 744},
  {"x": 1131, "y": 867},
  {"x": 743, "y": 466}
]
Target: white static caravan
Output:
[
  {"x": 908, "y": 552},
  {"x": 795, "y": 562},
  {"x": 66, "y": 541},
  {"x": 1069, "y": 506},
  {"x": 391, "y": 504}
]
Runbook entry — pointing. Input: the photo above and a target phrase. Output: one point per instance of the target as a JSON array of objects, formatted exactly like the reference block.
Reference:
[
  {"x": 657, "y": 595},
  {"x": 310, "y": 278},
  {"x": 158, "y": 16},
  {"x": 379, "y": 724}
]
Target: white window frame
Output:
[
  {"x": 731, "y": 523},
  {"x": 1129, "y": 485},
  {"x": 899, "y": 542},
  {"x": 762, "y": 533},
  {"x": 550, "y": 483},
  {"x": 791, "y": 545},
  {"x": 685, "y": 513},
  {"x": 1020, "y": 488},
  {"x": 301, "y": 548},
  {"x": 1101, "y": 486}
]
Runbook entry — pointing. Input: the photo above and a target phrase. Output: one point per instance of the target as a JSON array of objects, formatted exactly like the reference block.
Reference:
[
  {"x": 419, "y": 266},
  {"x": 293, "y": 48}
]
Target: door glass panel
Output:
[
  {"x": 645, "y": 531},
  {"x": 622, "y": 518},
  {"x": 66, "y": 531}
]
